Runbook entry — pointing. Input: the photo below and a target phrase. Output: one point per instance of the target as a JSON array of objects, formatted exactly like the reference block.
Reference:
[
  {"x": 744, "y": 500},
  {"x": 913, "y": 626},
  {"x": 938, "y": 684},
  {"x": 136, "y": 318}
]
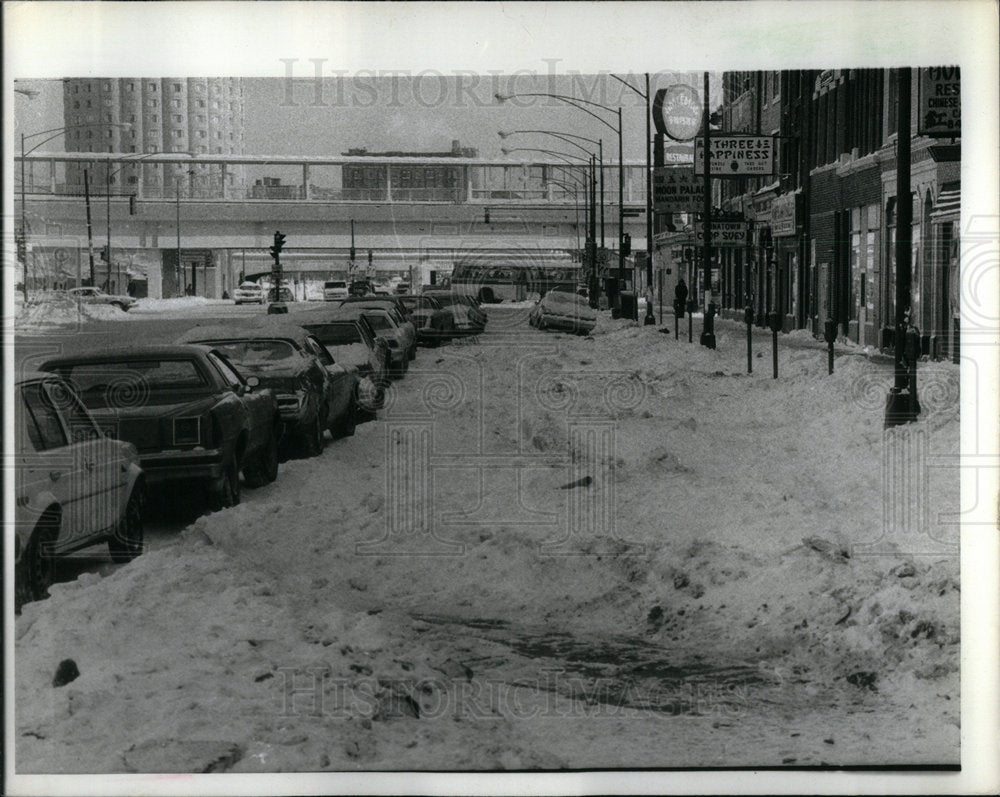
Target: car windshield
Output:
[
  {"x": 254, "y": 352},
  {"x": 133, "y": 374},
  {"x": 249, "y": 286},
  {"x": 335, "y": 285}
]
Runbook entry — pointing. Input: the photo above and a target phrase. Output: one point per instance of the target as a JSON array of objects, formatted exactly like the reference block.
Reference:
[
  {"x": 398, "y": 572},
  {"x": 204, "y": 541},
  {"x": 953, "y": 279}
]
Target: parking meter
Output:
[
  {"x": 774, "y": 322},
  {"x": 678, "y": 308},
  {"x": 748, "y": 315},
  {"x": 748, "y": 320}
]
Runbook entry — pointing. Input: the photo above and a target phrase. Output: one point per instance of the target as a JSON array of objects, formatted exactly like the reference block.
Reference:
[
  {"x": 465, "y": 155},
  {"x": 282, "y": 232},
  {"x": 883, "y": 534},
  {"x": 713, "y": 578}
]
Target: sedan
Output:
[
  {"x": 249, "y": 293},
  {"x": 563, "y": 309},
  {"x": 468, "y": 315},
  {"x": 313, "y": 392},
  {"x": 434, "y": 324},
  {"x": 73, "y": 486},
  {"x": 194, "y": 419},
  {"x": 97, "y": 296},
  {"x": 400, "y": 315}
]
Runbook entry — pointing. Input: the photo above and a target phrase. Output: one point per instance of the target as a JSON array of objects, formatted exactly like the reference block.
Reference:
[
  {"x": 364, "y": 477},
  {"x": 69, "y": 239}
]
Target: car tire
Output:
[
  {"x": 127, "y": 542},
  {"x": 227, "y": 494},
  {"x": 264, "y": 467},
  {"x": 348, "y": 422},
  {"x": 311, "y": 438},
  {"x": 37, "y": 568}
]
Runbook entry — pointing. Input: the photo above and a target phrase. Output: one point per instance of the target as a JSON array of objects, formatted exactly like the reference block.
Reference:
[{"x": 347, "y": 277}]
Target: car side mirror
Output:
[{"x": 252, "y": 382}]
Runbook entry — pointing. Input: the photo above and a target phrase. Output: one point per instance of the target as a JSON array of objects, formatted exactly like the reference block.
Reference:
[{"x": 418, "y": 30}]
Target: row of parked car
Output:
[{"x": 98, "y": 429}]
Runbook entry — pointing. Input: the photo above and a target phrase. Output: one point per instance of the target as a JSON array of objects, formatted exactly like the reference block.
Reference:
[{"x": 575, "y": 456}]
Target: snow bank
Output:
[
  {"x": 746, "y": 531},
  {"x": 55, "y": 309},
  {"x": 178, "y": 303}
]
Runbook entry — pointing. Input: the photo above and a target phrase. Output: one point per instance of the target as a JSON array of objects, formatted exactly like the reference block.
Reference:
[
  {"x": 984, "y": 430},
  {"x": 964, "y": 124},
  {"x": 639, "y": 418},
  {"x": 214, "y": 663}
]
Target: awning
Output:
[{"x": 949, "y": 201}]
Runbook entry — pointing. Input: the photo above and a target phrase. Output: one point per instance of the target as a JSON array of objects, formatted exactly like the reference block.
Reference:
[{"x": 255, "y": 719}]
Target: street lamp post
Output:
[
  {"x": 581, "y": 104},
  {"x": 108, "y": 174},
  {"x": 51, "y": 133}
]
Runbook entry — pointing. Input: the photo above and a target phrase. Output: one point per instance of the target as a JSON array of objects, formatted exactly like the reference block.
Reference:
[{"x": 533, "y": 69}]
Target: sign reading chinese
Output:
[
  {"x": 940, "y": 110},
  {"x": 783, "y": 218},
  {"x": 737, "y": 156},
  {"x": 677, "y": 112},
  {"x": 677, "y": 190}
]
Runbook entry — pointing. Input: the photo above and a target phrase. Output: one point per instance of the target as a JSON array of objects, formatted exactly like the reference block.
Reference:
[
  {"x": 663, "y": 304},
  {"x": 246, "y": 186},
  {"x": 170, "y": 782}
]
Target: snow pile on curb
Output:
[
  {"x": 57, "y": 310},
  {"x": 148, "y": 305}
]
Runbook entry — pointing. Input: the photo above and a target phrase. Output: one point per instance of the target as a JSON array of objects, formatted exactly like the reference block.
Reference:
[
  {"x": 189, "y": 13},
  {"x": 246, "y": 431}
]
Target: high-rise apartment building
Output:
[{"x": 201, "y": 116}]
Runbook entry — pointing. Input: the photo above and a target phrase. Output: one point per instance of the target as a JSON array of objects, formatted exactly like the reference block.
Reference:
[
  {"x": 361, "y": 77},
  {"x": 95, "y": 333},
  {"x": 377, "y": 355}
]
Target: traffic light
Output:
[
  {"x": 131, "y": 204},
  {"x": 486, "y": 215},
  {"x": 22, "y": 250},
  {"x": 105, "y": 254},
  {"x": 369, "y": 258},
  {"x": 279, "y": 242},
  {"x": 626, "y": 244},
  {"x": 688, "y": 254}
]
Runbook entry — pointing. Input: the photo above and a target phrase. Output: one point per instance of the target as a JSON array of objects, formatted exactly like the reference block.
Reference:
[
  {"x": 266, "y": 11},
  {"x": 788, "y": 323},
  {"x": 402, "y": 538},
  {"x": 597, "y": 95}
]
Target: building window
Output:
[
  {"x": 178, "y": 133},
  {"x": 202, "y": 150},
  {"x": 90, "y": 134},
  {"x": 153, "y": 103},
  {"x": 132, "y": 180},
  {"x": 88, "y": 104},
  {"x": 131, "y": 118},
  {"x": 219, "y": 150},
  {"x": 132, "y": 148},
  {"x": 107, "y": 87},
  {"x": 201, "y": 103},
  {"x": 76, "y": 89},
  {"x": 177, "y": 117},
  {"x": 218, "y": 134},
  {"x": 152, "y": 87},
  {"x": 154, "y": 117},
  {"x": 88, "y": 88},
  {"x": 177, "y": 86},
  {"x": 109, "y": 117},
  {"x": 130, "y": 86},
  {"x": 177, "y": 103},
  {"x": 76, "y": 103},
  {"x": 200, "y": 117},
  {"x": 201, "y": 134},
  {"x": 155, "y": 148},
  {"x": 110, "y": 133}
]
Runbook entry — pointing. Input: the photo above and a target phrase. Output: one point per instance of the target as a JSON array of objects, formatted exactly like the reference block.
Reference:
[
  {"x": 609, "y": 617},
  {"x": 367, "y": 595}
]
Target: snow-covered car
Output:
[
  {"x": 360, "y": 288},
  {"x": 249, "y": 293},
  {"x": 434, "y": 324},
  {"x": 400, "y": 313},
  {"x": 469, "y": 317},
  {"x": 352, "y": 342},
  {"x": 313, "y": 392},
  {"x": 97, "y": 296},
  {"x": 73, "y": 485},
  {"x": 334, "y": 289},
  {"x": 194, "y": 419},
  {"x": 565, "y": 310}
]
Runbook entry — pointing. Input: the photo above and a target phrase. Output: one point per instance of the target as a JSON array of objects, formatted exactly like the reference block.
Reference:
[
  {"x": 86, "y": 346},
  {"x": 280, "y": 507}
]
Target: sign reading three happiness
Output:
[{"x": 736, "y": 156}]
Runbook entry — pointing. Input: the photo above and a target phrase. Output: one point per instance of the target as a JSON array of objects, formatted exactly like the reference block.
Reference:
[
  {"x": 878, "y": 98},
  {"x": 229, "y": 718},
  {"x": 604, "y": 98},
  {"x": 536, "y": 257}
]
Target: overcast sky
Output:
[{"x": 416, "y": 112}]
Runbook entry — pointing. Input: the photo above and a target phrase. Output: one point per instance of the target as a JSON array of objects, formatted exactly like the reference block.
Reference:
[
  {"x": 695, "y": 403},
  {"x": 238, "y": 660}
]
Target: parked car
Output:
[
  {"x": 73, "y": 486},
  {"x": 249, "y": 293},
  {"x": 563, "y": 309},
  {"x": 469, "y": 317},
  {"x": 352, "y": 342},
  {"x": 334, "y": 289},
  {"x": 400, "y": 315},
  {"x": 312, "y": 391},
  {"x": 434, "y": 324},
  {"x": 97, "y": 296},
  {"x": 281, "y": 294},
  {"x": 360, "y": 288},
  {"x": 401, "y": 289},
  {"x": 192, "y": 416}
]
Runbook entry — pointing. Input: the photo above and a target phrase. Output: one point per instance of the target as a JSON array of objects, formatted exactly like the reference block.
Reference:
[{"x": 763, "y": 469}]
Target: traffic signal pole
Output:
[{"x": 90, "y": 229}]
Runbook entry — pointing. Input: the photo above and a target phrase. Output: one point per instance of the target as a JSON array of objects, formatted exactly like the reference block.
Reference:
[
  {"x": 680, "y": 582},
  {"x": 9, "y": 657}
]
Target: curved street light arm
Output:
[
  {"x": 57, "y": 131},
  {"x": 574, "y": 101},
  {"x": 506, "y": 133},
  {"x": 642, "y": 94},
  {"x": 556, "y": 135},
  {"x": 566, "y": 156}
]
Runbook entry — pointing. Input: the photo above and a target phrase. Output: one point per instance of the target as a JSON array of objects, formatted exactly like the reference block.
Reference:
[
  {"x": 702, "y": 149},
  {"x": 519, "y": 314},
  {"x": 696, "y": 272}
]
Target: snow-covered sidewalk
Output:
[{"x": 702, "y": 557}]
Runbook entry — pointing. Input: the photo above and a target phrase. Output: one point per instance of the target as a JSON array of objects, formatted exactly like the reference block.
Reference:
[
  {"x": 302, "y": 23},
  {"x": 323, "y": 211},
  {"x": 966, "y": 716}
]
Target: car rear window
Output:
[
  {"x": 334, "y": 284},
  {"x": 254, "y": 352},
  {"x": 335, "y": 334},
  {"x": 165, "y": 374},
  {"x": 378, "y": 321}
]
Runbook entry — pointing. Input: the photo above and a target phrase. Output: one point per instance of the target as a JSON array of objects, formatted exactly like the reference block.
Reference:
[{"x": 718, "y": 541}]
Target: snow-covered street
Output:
[{"x": 549, "y": 551}]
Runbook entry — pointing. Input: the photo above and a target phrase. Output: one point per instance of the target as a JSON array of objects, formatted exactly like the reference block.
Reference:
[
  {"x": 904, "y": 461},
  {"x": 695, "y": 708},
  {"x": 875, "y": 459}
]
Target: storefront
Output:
[{"x": 784, "y": 266}]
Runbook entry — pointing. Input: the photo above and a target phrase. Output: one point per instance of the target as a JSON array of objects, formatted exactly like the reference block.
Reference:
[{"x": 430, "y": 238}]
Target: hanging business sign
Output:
[
  {"x": 677, "y": 112},
  {"x": 677, "y": 189},
  {"x": 724, "y": 233},
  {"x": 736, "y": 156},
  {"x": 783, "y": 215},
  {"x": 940, "y": 109}
]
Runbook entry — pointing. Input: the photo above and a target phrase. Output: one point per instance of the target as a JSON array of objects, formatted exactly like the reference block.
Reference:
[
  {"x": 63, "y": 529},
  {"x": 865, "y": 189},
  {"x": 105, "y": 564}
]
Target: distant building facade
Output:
[
  {"x": 201, "y": 116},
  {"x": 435, "y": 180}
]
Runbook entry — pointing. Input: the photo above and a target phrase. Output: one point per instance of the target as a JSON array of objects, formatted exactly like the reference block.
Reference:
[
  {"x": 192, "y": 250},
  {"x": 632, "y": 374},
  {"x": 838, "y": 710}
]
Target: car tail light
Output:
[{"x": 187, "y": 431}]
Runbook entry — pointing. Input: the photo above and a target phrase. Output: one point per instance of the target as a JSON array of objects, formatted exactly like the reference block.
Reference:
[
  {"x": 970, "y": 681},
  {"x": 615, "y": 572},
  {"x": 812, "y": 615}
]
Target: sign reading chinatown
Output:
[
  {"x": 677, "y": 189},
  {"x": 940, "y": 110},
  {"x": 737, "y": 156},
  {"x": 677, "y": 112},
  {"x": 724, "y": 233}
]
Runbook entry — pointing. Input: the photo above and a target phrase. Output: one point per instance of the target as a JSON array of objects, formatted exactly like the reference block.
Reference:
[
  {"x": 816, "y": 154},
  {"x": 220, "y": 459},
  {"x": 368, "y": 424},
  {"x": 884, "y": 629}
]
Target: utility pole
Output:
[
  {"x": 649, "y": 200},
  {"x": 708, "y": 327},
  {"x": 90, "y": 229},
  {"x": 902, "y": 405}
]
